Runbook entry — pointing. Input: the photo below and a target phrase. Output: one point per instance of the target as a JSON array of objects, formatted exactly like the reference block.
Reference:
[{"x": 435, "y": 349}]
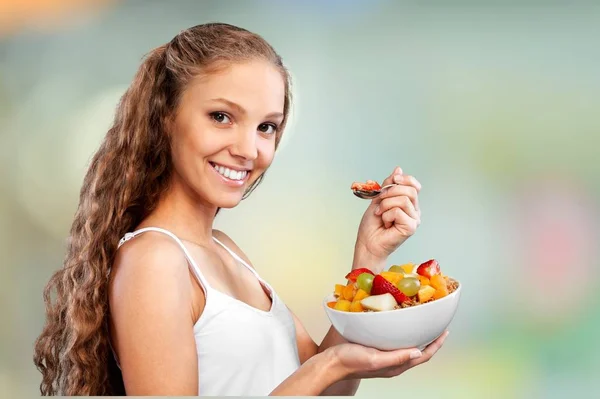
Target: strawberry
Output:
[
  {"x": 353, "y": 275},
  {"x": 429, "y": 268},
  {"x": 356, "y": 186},
  {"x": 382, "y": 286},
  {"x": 370, "y": 185}
]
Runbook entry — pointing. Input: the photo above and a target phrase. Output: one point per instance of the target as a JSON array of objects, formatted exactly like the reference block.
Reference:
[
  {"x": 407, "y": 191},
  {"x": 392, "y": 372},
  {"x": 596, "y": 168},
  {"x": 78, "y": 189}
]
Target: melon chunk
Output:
[{"x": 379, "y": 303}]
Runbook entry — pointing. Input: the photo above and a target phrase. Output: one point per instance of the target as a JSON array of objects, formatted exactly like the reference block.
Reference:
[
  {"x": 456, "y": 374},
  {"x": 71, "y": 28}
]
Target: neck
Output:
[{"x": 183, "y": 213}]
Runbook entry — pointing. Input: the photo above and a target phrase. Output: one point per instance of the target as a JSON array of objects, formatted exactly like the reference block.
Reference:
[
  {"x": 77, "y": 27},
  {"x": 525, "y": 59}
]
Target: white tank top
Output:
[{"x": 242, "y": 350}]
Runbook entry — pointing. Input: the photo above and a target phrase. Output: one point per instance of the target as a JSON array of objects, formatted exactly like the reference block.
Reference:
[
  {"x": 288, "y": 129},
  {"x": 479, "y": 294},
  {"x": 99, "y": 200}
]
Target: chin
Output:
[{"x": 228, "y": 201}]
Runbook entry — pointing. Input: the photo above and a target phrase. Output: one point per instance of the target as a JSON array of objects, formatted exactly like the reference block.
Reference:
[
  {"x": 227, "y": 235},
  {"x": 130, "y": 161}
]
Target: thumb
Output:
[
  {"x": 390, "y": 178},
  {"x": 394, "y": 358}
]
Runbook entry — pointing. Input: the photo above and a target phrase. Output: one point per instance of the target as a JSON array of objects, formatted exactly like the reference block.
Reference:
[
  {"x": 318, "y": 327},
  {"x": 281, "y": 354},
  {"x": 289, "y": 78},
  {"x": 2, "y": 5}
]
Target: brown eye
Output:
[
  {"x": 267, "y": 128},
  {"x": 220, "y": 117}
]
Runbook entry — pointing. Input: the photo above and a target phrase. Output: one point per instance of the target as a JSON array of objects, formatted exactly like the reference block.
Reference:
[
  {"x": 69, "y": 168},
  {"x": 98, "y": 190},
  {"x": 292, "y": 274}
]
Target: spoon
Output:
[{"x": 370, "y": 194}]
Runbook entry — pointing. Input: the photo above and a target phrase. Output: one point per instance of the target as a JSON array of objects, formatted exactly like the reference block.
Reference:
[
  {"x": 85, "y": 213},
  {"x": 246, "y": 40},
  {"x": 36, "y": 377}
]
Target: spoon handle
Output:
[{"x": 387, "y": 186}]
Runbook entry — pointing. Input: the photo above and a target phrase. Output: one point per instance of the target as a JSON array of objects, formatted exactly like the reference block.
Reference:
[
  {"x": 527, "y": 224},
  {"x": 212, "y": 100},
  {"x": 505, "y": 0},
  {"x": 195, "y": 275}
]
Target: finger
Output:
[
  {"x": 407, "y": 180},
  {"x": 398, "y": 215},
  {"x": 392, "y": 359},
  {"x": 402, "y": 202},
  {"x": 431, "y": 350},
  {"x": 390, "y": 179},
  {"x": 400, "y": 190}
]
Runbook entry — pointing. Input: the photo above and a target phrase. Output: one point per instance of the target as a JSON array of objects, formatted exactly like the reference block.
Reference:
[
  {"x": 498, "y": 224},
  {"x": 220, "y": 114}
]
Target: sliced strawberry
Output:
[
  {"x": 356, "y": 186},
  {"x": 370, "y": 185},
  {"x": 382, "y": 286},
  {"x": 353, "y": 275},
  {"x": 429, "y": 268}
]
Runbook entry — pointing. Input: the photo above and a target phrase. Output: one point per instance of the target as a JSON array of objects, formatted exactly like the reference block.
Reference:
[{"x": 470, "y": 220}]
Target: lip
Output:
[{"x": 229, "y": 182}]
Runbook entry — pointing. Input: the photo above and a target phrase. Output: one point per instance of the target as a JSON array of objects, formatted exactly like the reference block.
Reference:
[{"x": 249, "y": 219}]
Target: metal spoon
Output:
[{"x": 371, "y": 193}]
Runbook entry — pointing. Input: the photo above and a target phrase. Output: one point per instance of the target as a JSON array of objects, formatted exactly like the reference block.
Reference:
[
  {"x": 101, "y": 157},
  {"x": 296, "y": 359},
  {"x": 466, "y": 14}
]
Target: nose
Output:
[{"x": 245, "y": 145}]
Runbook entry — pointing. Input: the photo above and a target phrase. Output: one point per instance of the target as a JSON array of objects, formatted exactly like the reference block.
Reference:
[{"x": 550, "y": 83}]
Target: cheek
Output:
[
  {"x": 266, "y": 153},
  {"x": 186, "y": 155}
]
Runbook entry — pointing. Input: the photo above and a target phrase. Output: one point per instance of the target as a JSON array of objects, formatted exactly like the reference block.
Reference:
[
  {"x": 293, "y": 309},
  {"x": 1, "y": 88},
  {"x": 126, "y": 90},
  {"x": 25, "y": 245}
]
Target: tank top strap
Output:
[
  {"x": 238, "y": 258},
  {"x": 195, "y": 269}
]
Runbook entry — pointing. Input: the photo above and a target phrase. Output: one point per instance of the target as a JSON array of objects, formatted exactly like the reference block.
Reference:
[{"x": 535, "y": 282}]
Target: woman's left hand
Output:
[{"x": 389, "y": 220}]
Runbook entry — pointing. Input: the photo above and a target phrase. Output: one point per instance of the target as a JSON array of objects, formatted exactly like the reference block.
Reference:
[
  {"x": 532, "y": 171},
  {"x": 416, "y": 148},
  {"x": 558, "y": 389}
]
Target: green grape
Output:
[
  {"x": 396, "y": 269},
  {"x": 365, "y": 282},
  {"x": 409, "y": 286}
]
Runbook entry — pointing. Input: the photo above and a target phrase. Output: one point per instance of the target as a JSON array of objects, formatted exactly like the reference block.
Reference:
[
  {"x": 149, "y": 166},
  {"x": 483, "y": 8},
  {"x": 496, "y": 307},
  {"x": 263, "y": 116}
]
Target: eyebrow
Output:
[{"x": 241, "y": 109}]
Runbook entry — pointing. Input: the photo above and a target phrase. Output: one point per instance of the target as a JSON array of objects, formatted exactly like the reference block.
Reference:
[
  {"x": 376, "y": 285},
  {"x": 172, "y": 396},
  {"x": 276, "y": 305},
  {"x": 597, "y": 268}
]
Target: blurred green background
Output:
[{"x": 493, "y": 106}]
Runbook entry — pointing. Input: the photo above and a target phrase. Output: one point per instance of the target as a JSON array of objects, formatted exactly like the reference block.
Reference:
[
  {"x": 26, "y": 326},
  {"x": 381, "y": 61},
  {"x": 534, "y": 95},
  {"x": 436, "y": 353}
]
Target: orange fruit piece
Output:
[
  {"x": 339, "y": 289},
  {"x": 424, "y": 280},
  {"x": 343, "y": 305},
  {"x": 408, "y": 268},
  {"x": 356, "y": 306},
  {"x": 392, "y": 277},
  {"x": 438, "y": 282},
  {"x": 331, "y": 304},
  {"x": 349, "y": 292},
  {"x": 360, "y": 294},
  {"x": 440, "y": 292},
  {"x": 425, "y": 293}
]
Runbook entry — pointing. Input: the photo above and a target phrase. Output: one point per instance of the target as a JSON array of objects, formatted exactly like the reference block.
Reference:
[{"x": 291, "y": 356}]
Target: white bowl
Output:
[{"x": 416, "y": 326}]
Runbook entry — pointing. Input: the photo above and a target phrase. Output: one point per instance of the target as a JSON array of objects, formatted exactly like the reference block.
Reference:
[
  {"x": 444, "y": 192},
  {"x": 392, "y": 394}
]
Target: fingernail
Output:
[
  {"x": 398, "y": 170},
  {"x": 447, "y": 333},
  {"x": 377, "y": 211},
  {"x": 416, "y": 354},
  {"x": 397, "y": 178}
]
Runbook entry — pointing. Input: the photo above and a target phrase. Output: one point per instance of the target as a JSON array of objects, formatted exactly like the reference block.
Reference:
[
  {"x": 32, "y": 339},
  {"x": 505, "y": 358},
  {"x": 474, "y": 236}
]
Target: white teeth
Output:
[{"x": 230, "y": 174}]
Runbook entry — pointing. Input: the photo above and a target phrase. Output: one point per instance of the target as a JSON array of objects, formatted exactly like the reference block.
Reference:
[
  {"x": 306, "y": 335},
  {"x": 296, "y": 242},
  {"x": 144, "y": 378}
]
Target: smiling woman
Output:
[
  {"x": 221, "y": 127},
  {"x": 151, "y": 299}
]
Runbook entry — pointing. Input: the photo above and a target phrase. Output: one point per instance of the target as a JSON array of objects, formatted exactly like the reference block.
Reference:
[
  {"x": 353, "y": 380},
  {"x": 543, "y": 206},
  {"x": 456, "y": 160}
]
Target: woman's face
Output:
[{"x": 223, "y": 136}]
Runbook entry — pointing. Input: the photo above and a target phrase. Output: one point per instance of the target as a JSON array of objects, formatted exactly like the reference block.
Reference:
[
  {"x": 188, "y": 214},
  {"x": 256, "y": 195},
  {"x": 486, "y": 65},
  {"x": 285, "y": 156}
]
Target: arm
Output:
[
  {"x": 151, "y": 318},
  {"x": 308, "y": 350},
  {"x": 313, "y": 377}
]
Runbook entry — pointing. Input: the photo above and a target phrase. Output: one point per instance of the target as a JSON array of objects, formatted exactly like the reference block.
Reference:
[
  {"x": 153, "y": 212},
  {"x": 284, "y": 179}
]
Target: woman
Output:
[{"x": 151, "y": 300}]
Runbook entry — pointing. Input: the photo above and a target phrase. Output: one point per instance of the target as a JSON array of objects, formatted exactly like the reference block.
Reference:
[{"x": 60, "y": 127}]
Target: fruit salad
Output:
[
  {"x": 370, "y": 185},
  {"x": 400, "y": 286}
]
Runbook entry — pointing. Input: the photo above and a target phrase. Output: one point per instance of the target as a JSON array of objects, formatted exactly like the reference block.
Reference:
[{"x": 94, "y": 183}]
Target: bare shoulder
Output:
[
  {"x": 151, "y": 259},
  {"x": 152, "y": 319},
  {"x": 225, "y": 239}
]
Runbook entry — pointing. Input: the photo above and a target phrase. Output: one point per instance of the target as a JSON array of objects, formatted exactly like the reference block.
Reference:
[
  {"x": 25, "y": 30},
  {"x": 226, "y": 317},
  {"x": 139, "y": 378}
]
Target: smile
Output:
[{"x": 228, "y": 173}]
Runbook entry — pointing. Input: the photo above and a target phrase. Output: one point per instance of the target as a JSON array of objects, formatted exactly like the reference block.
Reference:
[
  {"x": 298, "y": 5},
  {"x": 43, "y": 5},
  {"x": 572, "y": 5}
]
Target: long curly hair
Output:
[{"x": 127, "y": 176}]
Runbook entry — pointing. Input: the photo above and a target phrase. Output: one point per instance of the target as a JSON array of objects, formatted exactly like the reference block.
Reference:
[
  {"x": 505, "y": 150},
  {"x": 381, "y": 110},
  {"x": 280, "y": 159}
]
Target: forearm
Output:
[
  {"x": 312, "y": 378},
  {"x": 363, "y": 258},
  {"x": 343, "y": 387}
]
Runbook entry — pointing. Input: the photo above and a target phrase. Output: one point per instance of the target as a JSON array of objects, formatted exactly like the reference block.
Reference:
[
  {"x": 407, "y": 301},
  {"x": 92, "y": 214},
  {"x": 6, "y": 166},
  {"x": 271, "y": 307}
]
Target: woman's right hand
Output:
[{"x": 357, "y": 361}]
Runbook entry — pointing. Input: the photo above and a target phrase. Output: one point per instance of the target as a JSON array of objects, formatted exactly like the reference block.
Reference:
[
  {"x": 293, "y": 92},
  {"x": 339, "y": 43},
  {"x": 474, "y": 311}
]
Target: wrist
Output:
[
  {"x": 335, "y": 368},
  {"x": 364, "y": 258}
]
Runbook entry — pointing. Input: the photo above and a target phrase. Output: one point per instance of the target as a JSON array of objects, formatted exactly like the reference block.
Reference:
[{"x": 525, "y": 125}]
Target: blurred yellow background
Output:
[{"x": 494, "y": 108}]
